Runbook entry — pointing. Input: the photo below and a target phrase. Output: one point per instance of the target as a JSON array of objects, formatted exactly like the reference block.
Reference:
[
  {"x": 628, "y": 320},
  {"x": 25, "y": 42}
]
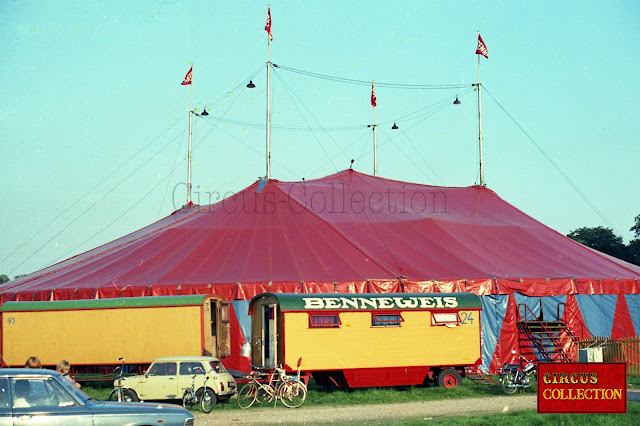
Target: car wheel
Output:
[
  {"x": 449, "y": 378},
  {"x": 129, "y": 395}
]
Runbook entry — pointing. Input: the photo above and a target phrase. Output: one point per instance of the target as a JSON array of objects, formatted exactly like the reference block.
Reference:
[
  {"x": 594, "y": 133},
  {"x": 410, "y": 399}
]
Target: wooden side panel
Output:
[
  {"x": 101, "y": 336},
  {"x": 358, "y": 345}
]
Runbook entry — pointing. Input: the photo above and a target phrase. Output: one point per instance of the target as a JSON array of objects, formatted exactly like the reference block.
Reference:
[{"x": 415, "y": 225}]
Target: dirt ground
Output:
[
  {"x": 376, "y": 413},
  {"x": 369, "y": 414}
]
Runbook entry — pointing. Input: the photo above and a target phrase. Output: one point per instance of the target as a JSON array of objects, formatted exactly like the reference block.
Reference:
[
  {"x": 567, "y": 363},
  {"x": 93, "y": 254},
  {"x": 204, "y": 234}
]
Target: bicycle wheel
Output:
[
  {"x": 113, "y": 396},
  {"x": 507, "y": 384},
  {"x": 208, "y": 400},
  {"x": 247, "y": 395},
  {"x": 188, "y": 400},
  {"x": 293, "y": 393}
]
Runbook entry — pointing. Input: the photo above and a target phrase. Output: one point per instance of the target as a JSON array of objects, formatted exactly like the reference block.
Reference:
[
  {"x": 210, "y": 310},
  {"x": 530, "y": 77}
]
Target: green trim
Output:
[
  {"x": 333, "y": 301},
  {"x": 121, "y": 302}
]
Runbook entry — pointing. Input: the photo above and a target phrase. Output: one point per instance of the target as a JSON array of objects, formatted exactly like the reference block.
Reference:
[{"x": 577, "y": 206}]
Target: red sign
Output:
[{"x": 582, "y": 387}]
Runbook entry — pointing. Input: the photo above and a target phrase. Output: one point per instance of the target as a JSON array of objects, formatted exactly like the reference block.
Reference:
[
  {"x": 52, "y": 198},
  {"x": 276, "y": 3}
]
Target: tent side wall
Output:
[{"x": 499, "y": 315}]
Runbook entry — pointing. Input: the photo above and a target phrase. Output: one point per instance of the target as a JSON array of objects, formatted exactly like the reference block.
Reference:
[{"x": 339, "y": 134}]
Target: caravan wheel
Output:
[{"x": 449, "y": 378}]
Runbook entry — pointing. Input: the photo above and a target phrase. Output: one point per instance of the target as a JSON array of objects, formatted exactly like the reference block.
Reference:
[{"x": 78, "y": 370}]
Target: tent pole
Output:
[
  {"x": 189, "y": 153},
  {"x": 375, "y": 146},
  {"x": 268, "y": 113},
  {"x": 480, "y": 124}
]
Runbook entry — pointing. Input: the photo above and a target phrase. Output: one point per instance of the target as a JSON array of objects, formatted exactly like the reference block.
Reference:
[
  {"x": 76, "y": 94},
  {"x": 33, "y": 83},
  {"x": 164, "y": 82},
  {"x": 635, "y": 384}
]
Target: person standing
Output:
[
  {"x": 33, "y": 362},
  {"x": 63, "y": 368}
]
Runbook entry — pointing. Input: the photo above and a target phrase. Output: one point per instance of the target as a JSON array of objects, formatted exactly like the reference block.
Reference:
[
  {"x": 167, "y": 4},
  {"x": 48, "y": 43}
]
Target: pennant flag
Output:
[
  {"x": 373, "y": 95},
  {"x": 482, "y": 48},
  {"x": 267, "y": 27},
  {"x": 187, "y": 78}
]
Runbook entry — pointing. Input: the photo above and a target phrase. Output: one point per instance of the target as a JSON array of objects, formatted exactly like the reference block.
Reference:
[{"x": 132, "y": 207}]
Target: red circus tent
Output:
[{"x": 351, "y": 232}]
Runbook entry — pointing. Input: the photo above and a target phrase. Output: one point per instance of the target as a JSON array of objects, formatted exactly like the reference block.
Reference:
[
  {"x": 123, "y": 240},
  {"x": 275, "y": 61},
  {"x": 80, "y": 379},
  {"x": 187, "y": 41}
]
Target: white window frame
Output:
[{"x": 447, "y": 319}]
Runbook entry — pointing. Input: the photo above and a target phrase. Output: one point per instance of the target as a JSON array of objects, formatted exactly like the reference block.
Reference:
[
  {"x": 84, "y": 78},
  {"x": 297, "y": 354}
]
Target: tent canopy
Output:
[{"x": 346, "y": 227}]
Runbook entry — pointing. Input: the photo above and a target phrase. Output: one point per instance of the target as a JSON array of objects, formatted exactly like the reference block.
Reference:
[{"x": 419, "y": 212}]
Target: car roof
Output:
[
  {"x": 186, "y": 358},
  {"x": 27, "y": 372}
]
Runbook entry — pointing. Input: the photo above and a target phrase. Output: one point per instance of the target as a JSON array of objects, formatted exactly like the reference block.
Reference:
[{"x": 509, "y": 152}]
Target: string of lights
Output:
[{"x": 368, "y": 82}]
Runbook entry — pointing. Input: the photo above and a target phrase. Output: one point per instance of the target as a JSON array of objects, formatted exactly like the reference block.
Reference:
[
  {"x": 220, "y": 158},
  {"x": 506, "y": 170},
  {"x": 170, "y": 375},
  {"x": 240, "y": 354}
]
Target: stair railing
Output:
[{"x": 539, "y": 343}]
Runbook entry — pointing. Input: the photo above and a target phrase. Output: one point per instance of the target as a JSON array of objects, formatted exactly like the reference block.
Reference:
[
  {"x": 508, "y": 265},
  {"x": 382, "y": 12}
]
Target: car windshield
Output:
[
  {"x": 42, "y": 391},
  {"x": 77, "y": 393}
]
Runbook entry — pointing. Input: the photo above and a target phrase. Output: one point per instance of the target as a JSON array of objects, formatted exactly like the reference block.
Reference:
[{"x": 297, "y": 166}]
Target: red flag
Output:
[
  {"x": 187, "y": 78},
  {"x": 267, "y": 27},
  {"x": 373, "y": 95},
  {"x": 482, "y": 48}
]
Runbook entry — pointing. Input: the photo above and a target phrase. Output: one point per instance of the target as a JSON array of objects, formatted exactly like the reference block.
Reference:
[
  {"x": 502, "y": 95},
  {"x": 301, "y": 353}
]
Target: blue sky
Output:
[{"x": 94, "y": 121}]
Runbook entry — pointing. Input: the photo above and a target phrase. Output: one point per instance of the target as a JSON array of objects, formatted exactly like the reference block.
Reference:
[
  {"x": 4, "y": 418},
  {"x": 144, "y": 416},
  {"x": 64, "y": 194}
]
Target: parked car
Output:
[
  {"x": 39, "y": 396},
  {"x": 170, "y": 377}
]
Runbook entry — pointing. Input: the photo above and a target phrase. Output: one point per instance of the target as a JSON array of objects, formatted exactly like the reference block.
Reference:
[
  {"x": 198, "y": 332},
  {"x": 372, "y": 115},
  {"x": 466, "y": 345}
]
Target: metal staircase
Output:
[
  {"x": 551, "y": 341},
  {"x": 478, "y": 377}
]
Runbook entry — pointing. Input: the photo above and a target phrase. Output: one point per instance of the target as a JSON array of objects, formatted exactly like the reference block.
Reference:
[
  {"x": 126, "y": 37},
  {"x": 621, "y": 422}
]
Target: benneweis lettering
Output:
[{"x": 380, "y": 302}]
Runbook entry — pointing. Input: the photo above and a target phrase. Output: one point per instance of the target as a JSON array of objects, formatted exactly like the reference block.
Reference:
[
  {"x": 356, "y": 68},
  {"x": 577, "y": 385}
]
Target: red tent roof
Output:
[{"x": 346, "y": 227}]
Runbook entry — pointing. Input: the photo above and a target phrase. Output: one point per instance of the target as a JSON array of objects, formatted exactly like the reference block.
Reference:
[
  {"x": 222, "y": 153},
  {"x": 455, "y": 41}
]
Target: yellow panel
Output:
[
  {"x": 101, "y": 336},
  {"x": 356, "y": 344}
]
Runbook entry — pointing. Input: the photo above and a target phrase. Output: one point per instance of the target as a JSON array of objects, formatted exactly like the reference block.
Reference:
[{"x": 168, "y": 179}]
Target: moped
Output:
[{"x": 517, "y": 376}]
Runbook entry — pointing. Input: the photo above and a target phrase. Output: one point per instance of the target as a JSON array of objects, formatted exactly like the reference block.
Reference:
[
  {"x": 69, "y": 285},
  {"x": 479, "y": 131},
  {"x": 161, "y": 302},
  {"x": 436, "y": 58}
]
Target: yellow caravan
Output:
[
  {"x": 362, "y": 340},
  {"x": 97, "y": 332}
]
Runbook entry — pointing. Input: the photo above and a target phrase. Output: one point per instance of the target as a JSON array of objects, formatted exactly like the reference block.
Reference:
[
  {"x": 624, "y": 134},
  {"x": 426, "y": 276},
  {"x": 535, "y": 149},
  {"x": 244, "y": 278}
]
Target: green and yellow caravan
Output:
[
  {"x": 97, "y": 332},
  {"x": 364, "y": 340}
]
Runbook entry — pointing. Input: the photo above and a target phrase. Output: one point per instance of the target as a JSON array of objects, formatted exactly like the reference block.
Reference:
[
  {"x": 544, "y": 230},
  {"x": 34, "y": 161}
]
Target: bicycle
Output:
[
  {"x": 205, "y": 397},
  {"x": 271, "y": 387},
  {"x": 293, "y": 391},
  {"x": 119, "y": 393}
]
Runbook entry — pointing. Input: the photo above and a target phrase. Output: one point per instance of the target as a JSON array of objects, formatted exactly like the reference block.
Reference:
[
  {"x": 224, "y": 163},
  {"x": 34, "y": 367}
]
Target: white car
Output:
[{"x": 170, "y": 377}]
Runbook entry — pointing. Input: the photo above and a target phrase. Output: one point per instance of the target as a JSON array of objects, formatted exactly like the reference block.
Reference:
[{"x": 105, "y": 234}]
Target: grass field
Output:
[
  {"x": 531, "y": 418},
  {"x": 319, "y": 396}
]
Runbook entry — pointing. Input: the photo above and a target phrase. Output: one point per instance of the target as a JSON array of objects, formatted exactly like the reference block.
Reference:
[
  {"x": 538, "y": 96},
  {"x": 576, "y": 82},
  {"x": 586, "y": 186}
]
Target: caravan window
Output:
[
  {"x": 386, "y": 320},
  {"x": 450, "y": 319},
  {"x": 324, "y": 321}
]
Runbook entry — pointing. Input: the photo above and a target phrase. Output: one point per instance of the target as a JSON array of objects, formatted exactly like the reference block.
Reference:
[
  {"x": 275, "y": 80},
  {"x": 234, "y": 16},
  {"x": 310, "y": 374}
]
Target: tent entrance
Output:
[{"x": 551, "y": 341}]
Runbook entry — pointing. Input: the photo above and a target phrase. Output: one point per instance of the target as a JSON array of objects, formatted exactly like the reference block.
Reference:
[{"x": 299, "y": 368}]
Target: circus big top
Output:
[{"x": 352, "y": 232}]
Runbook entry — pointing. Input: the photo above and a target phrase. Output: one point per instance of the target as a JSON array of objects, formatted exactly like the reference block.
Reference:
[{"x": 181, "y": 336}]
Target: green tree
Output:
[
  {"x": 636, "y": 227},
  {"x": 601, "y": 239},
  {"x": 633, "y": 251},
  {"x": 4, "y": 279}
]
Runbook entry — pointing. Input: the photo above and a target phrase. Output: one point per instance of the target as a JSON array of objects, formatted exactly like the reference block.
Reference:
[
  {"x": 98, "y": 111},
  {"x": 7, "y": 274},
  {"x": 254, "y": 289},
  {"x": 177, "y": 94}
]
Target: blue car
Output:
[{"x": 38, "y": 396}]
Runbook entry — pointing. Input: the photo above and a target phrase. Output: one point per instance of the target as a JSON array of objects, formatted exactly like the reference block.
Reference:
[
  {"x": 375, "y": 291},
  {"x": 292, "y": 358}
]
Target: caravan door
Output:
[
  {"x": 269, "y": 336},
  {"x": 216, "y": 328}
]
